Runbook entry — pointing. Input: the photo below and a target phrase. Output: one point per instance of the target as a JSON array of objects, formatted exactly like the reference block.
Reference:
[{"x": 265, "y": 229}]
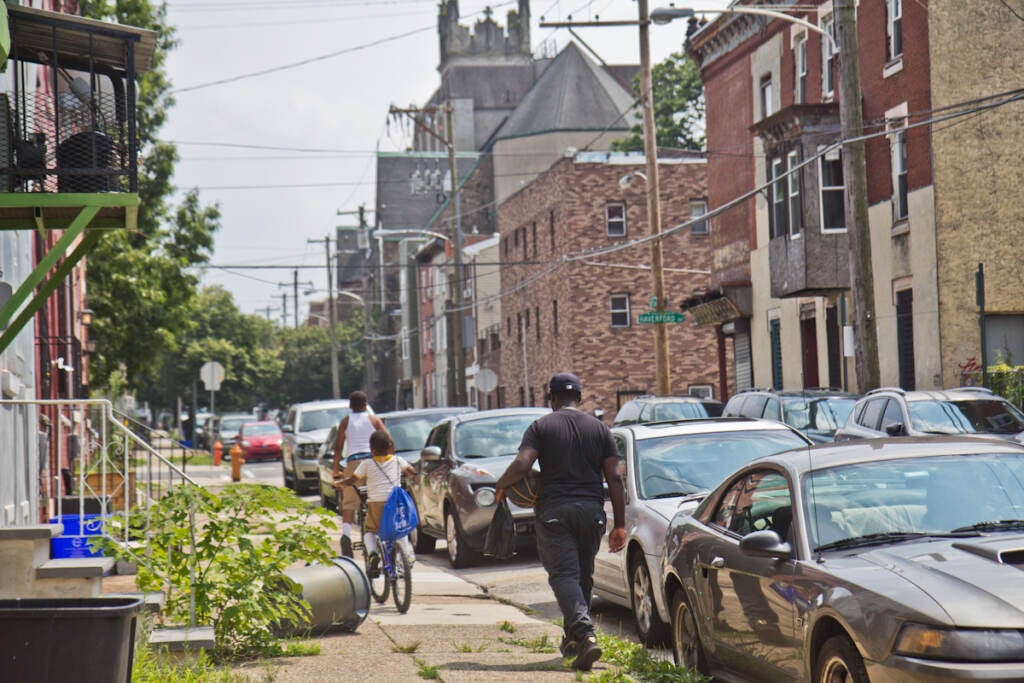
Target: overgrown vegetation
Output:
[
  {"x": 220, "y": 560},
  {"x": 630, "y": 661},
  {"x": 678, "y": 107},
  {"x": 427, "y": 671}
]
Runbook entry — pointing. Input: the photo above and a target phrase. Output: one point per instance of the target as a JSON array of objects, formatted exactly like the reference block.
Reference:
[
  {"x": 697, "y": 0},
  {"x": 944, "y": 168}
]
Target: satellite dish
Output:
[{"x": 486, "y": 380}]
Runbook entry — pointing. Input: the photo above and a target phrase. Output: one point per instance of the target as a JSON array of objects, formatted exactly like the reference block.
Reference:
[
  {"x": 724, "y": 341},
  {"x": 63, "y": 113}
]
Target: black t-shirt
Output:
[{"x": 572, "y": 446}]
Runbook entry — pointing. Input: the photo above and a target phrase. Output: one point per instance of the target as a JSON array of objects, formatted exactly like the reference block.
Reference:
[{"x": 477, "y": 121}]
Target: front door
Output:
[{"x": 809, "y": 339}]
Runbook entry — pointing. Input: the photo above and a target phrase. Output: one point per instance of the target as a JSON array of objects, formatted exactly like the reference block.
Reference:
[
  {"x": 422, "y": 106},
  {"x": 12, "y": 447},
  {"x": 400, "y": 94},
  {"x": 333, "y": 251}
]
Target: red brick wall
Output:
[{"x": 608, "y": 360}]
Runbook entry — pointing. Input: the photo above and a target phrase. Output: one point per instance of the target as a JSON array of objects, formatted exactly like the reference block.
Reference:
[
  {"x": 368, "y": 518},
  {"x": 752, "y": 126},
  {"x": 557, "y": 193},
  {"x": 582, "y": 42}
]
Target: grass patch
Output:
[
  {"x": 466, "y": 647},
  {"x": 427, "y": 671},
  {"x": 299, "y": 648},
  {"x": 149, "y": 667},
  {"x": 507, "y": 627},
  {"x": 632, "y": 662},
  {"x": 407, "y": 648},
  {"x": 541, "y": 644}
]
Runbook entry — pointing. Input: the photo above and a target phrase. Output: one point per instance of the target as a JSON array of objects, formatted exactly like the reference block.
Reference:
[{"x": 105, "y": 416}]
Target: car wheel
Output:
[
  {"x": 649, "y": 627},
  {"x": 839, "y": 662},
  {"x": 289, "y": 481},
  {"x": 422, "y": 542},
  {"x": 686, "y": 648},
  {"x": 459, "y": 553}
]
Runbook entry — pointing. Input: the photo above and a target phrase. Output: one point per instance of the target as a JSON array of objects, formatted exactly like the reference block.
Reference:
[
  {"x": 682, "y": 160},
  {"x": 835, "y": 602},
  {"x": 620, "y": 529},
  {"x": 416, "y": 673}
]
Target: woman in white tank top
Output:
[{"x": 355, "y": 429}]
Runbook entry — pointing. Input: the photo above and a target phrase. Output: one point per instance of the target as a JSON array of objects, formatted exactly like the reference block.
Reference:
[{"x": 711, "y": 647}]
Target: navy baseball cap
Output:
[{"x": 565, "y": 381}]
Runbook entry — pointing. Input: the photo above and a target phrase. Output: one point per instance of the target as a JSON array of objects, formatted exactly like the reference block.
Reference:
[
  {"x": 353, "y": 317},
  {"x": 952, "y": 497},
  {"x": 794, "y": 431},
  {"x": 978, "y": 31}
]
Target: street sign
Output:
[
  {"x": 486, "y": 380},
  {"x": 212, "y": 374},
  {"x": 660, "y": 317}
]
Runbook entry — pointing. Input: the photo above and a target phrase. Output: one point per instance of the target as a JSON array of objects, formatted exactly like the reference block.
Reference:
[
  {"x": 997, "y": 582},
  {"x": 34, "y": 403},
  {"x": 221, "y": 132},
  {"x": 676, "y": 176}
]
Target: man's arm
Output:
[
  {"x": 617, "y": 536},
  {"x": 339, "y": 445},
  {"x": 377, "y": 423},
  {"x": 518, "y": 469}
]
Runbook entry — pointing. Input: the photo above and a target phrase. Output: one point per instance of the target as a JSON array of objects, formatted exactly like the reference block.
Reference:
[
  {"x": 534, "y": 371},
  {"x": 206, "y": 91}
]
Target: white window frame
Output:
[
  {"x": 793, "y": 218},
  {"x": 609, "y": 221},
  {"x": 800, "y": 68},
  {"x": 698, "y": 208},
  {"x": 834, "y": 155},
  {"x": 777, "y": 227},
  {"x": 900, "y": 170},
  {"x": 765, "y": 89},
  {"x": 619, "y": 304},
  {"x": 893, "y": 20},
  {"x": 828, "y": 86}
]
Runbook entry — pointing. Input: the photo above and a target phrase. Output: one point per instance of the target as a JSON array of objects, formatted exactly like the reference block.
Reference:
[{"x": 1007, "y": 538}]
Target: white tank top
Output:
[{"x": 357, "y": 435}]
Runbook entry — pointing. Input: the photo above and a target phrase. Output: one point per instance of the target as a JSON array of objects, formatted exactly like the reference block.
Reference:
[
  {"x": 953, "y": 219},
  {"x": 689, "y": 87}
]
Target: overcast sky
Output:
[{"x": 324, "y": 120}]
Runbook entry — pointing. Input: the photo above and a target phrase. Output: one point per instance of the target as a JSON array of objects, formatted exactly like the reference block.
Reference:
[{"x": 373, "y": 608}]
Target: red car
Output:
[{"x": 260, "y": 440}]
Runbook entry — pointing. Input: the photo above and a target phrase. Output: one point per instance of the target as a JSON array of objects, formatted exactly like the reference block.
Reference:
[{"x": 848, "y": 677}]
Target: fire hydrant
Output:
[
  {"x": 218, "y": 452},
  {"x": 236, "y": 462}
]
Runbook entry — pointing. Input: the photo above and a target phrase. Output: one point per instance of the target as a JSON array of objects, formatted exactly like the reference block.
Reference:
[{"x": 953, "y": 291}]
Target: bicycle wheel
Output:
[
  {"x": 402, "y": 578},
  {"x": 380, "y": 582}
]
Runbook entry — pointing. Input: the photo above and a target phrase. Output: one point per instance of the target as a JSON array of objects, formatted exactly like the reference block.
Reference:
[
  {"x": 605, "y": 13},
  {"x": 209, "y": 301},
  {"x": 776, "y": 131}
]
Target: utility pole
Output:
[
  {"x": 663, "y": 384},
  {"x": 851, "y": 119},
  {"x": 457, "y": 373},
  {"x": 284, "y": 310},
  {"x": 331, "y": 314},
  {"x": 295, "y": 289},
  {"x": 367, "y": 348}
]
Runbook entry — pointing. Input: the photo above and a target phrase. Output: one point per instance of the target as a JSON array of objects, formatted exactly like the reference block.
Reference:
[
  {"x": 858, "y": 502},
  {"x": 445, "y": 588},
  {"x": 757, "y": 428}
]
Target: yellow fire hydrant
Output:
[{"x": 236, "y": 462}]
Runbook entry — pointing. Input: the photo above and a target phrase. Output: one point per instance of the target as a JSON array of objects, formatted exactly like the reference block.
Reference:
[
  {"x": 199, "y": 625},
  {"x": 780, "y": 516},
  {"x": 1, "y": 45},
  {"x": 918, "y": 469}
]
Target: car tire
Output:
[
  {"x": 460, "y": 555},
  {"x": 686, "y": 648},
  {"x": 422, "y": 542},
  {"x": 838, "y": 659},
  {"x": 289, "y": 481},
  {"x": 650, "y": 629}
]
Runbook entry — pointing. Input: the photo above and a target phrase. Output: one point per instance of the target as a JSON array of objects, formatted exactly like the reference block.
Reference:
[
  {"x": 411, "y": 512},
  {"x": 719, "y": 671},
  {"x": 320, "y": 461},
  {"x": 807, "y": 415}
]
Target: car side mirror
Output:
[
  {"x": 765, "y": 543},
  {"x": 431, "y": 454},
  {"x": 895, "y": 429},
  {"x": 287, "y": 429}
]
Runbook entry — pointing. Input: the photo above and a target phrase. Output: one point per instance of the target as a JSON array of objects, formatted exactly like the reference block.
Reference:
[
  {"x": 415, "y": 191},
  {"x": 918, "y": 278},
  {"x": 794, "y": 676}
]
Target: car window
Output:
[
  {"x": 261, "y": 429},
  {"x": 321, "y": 418},
  {"x": 713, "y": 408},
  {"x": 892, "y": 415},
  {"x": 754, "y": 406},
  {"x": 291, "y": 418},
  {"x": 679, "y": 411},
  {"x": 937, "y": 417},
  {"x": 409, "y": 433},
  {"x": 439, "y": 437},
  {"x": 628, "y": 413},
  {"x": 992, "y": 416},
  {"x": 734, "y": 406},
  {"x": 646, "y": 413},
  {"x": 752, "y": 502},
  {"x": 491, "y": 437},
  {"x": 772, "y": 409},
  {"x": 872, "y": 413}
]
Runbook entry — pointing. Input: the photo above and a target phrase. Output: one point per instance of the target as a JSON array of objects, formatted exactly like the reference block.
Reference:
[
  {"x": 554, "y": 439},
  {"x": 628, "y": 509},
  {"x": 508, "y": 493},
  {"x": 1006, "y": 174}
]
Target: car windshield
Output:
[
  {"x": 817, "y": 414},
  {"x": 491, "y": 437},
  {"x": 985, "y": 416},
  {"x": 679, "y": 411},
  {"x": 231, "y": 425},
  {"x": 410, "y": 433},
  {"x": 682, "y": 464},
  {"x": 321, "y": 418},
  {"x": 907, "y": 498},
  {"x": 262, "y": 430}
]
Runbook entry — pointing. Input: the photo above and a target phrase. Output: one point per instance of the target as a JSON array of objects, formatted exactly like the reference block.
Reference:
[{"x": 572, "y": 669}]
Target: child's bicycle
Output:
[{"x": 389, "y": 569}]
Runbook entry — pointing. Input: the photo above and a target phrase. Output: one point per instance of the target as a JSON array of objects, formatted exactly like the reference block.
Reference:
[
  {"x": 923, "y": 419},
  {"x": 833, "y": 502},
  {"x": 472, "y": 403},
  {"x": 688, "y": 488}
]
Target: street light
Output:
[{"x": 663, "y": 15}]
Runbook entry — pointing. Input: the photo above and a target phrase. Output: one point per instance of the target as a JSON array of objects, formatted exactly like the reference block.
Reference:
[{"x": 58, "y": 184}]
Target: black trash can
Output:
[{"x": 68, "y": 639}]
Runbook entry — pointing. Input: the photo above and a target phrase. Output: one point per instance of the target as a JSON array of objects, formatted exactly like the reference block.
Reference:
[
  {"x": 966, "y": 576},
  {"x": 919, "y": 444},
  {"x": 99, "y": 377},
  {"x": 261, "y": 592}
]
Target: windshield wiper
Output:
[
  {"x": 1001, "y": 525},
  {"x": 873, "y": 539},
  {"x": 672, "y": 494}
]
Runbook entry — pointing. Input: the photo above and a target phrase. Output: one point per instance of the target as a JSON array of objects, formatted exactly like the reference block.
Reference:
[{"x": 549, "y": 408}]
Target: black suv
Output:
[
  {"x": 660, "y": 408},
  {"x": 891, "y": 411},
  {"x": 818, "y": 413}
]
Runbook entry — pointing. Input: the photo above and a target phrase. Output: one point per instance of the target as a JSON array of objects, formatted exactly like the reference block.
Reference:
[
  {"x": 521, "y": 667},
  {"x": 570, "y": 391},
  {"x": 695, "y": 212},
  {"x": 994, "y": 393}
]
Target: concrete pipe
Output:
[{"x": 338, "y": 594}]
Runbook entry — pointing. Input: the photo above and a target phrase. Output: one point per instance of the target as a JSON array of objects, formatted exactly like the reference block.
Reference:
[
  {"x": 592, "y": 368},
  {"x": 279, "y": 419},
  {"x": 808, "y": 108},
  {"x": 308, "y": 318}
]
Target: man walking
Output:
[
  {"x": 575, "y": 450},
  {"x": 356, "y": 428}
]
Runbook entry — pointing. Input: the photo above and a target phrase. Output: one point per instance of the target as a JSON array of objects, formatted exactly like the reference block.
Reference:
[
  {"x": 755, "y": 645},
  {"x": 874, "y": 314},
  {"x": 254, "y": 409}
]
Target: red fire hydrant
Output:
[
  {"x": 236, "y": 462},
  {"x": 218, "y": 452}
]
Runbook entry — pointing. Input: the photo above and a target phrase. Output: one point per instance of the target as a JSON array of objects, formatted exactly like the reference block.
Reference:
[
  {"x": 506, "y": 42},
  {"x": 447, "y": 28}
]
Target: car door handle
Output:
[{"x": 717, "y": 562}]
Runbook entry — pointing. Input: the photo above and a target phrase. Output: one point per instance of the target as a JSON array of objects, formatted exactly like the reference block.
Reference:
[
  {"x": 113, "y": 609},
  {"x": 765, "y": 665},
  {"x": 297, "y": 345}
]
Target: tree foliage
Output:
[{"x": 678, "y": 107}]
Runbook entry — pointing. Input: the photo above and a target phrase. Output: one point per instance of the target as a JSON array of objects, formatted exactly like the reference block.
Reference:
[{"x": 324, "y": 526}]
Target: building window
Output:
[
  {"x": 615, "y": 219},
  {"x": 766, "y": 96},
  {"x": 793, "y": 187},
  {"x": 533, "y": 234},
  {"x": 800, "y": 69},
  {"x": 698, "y": 208},
  {"x": 508, "y": 326},
  {"x": 554, "y": 316},
  {"x": 833, "y": 208},
  {"x": 828, "y": 57},
  {"x": 536, "y": 320},
  {"x": 778, "y": 195},
  {"x": 905, "y": 338},
  {"x": 620, "y": 310},
  {"x": 519, "y": 327},
  {"x": 551, "y": 229},
  {"x": 898, "y": 150},
  {"x": 775, "y": 332},
  {"x": 893, "y": 30}
]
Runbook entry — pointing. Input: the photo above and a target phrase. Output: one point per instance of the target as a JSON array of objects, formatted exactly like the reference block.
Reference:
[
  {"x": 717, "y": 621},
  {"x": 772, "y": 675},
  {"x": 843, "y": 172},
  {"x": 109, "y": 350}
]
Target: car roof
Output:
[
  {"x": 426, "y": 412},
  {"x": 498, "y": 412},
  {"x": 817, "y": 392},
  {"x": 709, "y": 425},
  {"x": 673, "y": 399},
  {"x": 826, "y": 456},
  {"x": 330, "y": 403}
]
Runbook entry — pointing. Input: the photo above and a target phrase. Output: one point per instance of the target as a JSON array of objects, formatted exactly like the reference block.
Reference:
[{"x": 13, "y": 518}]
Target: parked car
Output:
[
  {"x": 967, "y": 410},
  {"x": 305, "y": 428},
  {"x": 857, "y": 561},
  {"x": 226, "y": 428},
  {"x": 818, "y": 413},
  {"x": 665, "y": 465},
  {"x": 454, "y": 482},
  {"x": 658, "y": 408},
  {"x": 409, "y": 429},
  {"x": 260, "y": 440}
]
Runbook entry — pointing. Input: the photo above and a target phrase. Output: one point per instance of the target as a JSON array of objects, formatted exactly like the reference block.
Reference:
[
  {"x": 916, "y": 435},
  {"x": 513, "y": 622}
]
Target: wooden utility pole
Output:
[
  {"x": 331, "y": 319},
  {"x": 851, "y": 119}
]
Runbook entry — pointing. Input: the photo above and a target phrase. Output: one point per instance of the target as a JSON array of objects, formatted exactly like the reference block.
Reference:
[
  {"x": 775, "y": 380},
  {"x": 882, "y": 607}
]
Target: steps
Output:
[{"x": 28, "y": 572}]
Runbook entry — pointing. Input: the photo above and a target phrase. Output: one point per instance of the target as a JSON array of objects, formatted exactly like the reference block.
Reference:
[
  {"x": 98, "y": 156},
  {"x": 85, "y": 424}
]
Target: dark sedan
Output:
[
  {"x": 889, "y": 560},
  {"x": 454, "y": 482}
]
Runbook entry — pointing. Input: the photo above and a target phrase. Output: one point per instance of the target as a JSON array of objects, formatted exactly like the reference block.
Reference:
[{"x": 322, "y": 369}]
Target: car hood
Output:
[
  {"x": 483, "y": 469},
  {"x": 976, "y": 581},
  {"x": 315, "y": 436},
  {"x": 666, "y": 508}
]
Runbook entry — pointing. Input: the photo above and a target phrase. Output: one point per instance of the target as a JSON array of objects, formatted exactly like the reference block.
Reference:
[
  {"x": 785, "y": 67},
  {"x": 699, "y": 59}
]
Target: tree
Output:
[
  {"x": 305, "y": 354},
  {"x": 678, "y": 107},
  {"x": 140, "y": 285}
]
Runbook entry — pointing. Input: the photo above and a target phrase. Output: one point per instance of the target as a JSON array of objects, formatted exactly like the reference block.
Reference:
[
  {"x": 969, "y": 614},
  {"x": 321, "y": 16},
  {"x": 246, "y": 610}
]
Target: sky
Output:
[{"x": 283, "y": 152}]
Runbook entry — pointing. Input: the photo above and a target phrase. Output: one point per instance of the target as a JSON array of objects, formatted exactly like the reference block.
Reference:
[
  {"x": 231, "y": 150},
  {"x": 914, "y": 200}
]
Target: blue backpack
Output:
[{"x": 399, "y": 517}]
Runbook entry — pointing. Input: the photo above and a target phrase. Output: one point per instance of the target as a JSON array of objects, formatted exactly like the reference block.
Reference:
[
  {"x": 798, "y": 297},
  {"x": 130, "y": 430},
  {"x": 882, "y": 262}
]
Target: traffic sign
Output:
[
  {"x": 212, "y": 374},
  {"x": 660, "y": 317}
]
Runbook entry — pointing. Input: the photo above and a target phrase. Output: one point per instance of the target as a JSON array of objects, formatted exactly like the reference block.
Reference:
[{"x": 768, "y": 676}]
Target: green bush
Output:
[{"x": 219, "y": 559}]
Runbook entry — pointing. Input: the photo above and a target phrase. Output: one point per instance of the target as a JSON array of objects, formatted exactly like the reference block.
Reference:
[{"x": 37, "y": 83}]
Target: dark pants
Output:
[{"x": 568, "y": 537}]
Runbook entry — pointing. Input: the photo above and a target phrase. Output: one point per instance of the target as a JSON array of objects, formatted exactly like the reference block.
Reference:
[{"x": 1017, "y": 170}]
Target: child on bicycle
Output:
[{"x": 382, "y": 473}]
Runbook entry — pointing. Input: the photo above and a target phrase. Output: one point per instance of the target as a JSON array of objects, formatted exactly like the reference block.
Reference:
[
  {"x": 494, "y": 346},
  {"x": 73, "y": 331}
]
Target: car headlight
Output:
[
  {"x": 484, "y": 497},
  {"x": 972, "y": 645},
  {"x": 245, "y": 444},
  {"x": 309, "y": 450}
]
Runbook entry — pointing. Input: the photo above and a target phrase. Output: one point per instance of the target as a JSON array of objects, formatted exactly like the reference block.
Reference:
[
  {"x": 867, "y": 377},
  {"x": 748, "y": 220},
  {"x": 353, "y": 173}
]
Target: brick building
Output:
[
  {"x": 563, "y": 310},
  {"x": 781, "y": 275}
]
